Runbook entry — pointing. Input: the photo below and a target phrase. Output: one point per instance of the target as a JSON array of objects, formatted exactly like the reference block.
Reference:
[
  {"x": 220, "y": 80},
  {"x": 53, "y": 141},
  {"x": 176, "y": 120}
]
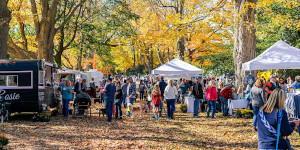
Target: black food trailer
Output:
[{"x": 27, "y": 85}]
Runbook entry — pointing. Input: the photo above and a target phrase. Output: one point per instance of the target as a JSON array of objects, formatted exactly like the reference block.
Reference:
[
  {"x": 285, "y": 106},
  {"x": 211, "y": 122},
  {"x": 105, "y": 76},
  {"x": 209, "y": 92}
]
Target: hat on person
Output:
[
  {"x": 199, "y": 77},
  {"x": 129, "y": 78},
  {"x": 110, "y": 79}
]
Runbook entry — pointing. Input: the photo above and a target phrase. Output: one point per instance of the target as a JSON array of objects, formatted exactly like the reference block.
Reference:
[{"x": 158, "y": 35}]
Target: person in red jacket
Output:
[
  {"x": 156, "y": 99},
  {"x": 226, "y": 94},
  {"x": 211, "y": 97}
]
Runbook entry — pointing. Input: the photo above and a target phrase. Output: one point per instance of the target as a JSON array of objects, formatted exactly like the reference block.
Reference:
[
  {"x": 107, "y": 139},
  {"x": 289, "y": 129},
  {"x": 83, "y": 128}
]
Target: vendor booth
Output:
[
  {"x": 177, "y": 69},
  {"x": 280, "y": 56}
]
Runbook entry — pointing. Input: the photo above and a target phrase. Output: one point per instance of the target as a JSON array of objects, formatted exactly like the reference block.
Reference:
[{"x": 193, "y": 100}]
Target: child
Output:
[{"x": 156, "y": 99}]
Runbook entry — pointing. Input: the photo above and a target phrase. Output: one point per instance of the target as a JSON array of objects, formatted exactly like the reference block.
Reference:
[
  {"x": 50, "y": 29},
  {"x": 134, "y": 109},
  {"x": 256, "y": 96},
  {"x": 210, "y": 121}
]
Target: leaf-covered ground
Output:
[{"x": 184, "y": 132}]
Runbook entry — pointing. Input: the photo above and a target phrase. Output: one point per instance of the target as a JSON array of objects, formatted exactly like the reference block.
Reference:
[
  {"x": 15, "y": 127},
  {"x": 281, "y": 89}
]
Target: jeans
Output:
[
  {"x": 124, "y": 100},
  {"x": 224, "y": 105},
  {"x": 211, "y": 105},
  {"x": 141, "y": 95},
  {"x": 118, "y": 105},
  {"x": 170, "y": 108},
  {"x": 131, "y": 100},
  {"x": 101, "y": 98},
  {"x": 196, "y": 106},
  {"x": 109, "y": 108},
  {"x": 182, "y": 98},
  {"x": 161, "y": 105},
  {"x": 66, "y": 107},
  {"x": 255, "y": 112}
]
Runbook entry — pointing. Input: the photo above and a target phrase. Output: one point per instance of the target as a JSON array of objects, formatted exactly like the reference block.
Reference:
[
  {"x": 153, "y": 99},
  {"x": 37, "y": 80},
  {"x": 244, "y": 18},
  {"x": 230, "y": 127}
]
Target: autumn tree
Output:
[
  {"x": 45, "y": 23},
  {"x": 5, "y": 16}
]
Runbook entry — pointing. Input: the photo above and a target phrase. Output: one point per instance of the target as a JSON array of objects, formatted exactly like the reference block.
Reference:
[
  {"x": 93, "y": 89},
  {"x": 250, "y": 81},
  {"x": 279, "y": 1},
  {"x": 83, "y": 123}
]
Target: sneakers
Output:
[{"x": 155, "y": 117}]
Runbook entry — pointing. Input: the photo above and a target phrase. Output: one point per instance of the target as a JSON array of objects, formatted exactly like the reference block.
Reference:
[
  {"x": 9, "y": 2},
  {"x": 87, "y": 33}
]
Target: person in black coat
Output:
[
  {"x": 78, "y": 86},
  {"x": 118, "y": 100},
  {"x": 197, "y": 93}
]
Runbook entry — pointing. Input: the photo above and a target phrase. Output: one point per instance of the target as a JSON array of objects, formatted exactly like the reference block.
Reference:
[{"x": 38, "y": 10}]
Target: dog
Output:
[{"x": 144, "y": 107}]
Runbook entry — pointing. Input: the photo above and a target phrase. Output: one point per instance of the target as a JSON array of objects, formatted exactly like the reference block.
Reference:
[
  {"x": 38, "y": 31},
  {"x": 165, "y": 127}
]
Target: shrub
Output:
[
  {"x": 239, "y": 113},
  {"x": 3, "y": 141},
  {"x": 183, "y": 108}
]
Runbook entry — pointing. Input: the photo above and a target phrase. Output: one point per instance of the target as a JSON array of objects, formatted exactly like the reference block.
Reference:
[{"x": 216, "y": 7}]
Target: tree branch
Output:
[
  {"x": 70, "y": 15},
  {"x": 35, "y": 16},
  {"x": 75, "y": 30}
]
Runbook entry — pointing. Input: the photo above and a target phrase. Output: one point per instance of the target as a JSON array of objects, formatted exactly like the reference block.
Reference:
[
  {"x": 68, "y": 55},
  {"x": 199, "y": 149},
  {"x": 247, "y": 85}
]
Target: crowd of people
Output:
[
  {"x": 270, "y": 118},
  {"x": 267, "y": 99}
]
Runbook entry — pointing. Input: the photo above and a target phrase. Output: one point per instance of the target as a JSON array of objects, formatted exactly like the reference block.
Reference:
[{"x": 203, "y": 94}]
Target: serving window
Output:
[
  {"x": 16, "y": 79},
  {"x": 8, "y": 80}
]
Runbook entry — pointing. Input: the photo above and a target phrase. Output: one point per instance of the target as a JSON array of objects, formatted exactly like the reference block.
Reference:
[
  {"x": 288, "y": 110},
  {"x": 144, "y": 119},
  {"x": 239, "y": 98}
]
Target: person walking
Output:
[
  {"x": 225, "y": 95},
  {"x": 156, "y": 99},
  {"x": 211, "y": 97},
  {"x": 142, "y": 90},
  {"x": 162, "y": 86},
  {"x": 258, "y": 99},
  {"x": 118, "y": 100},
  {"x": 268, "y": 119},
  {"x": 109, "y": 94},
  {"x": 67, "y": 97},
  {"x": 124, "y": 92},
  {"x": 170, "y": 95},
  {"x": 131, "y": 93},
  {"x": 197, "y": 93}
]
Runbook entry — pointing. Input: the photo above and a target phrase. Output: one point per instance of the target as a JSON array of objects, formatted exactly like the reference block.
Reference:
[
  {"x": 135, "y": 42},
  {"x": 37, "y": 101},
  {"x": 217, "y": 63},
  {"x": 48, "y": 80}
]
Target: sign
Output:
[{"x": 9, "y": 96}]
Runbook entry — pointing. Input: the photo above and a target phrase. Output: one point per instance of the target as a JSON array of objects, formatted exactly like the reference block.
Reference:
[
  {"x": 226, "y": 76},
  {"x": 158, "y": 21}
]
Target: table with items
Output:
[
  {"x": 240, "y": 103},
  {"x": 190, "y": 104}
]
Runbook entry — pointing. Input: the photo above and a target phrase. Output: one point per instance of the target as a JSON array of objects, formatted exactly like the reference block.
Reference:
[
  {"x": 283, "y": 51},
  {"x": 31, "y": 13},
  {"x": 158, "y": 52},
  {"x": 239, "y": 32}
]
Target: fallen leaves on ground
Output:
[{"x": 184, "y": 132}]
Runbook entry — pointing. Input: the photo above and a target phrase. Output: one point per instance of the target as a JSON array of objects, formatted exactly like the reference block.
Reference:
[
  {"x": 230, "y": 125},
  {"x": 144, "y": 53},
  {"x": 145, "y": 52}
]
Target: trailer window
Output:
[
  {"x": 8, "y": 80},
  {"x": 3, "y": 80}
]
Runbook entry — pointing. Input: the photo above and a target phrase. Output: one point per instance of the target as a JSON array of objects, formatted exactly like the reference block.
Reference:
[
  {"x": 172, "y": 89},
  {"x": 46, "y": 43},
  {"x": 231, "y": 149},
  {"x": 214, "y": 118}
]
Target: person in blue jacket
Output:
[
  {"x": 66, "y": 91},
  {"x": 270, "y": 110},
  {"x": 109, "y": 97}
]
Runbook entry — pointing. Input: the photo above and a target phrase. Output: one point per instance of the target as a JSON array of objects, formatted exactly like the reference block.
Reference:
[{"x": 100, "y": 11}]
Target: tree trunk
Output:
[
  {"x": 45, "y": 26},
  {"x": 60, "y": 48},
  {"x": 244, "y": 38},
  {"x": 80, "y": 55},
  {"x": 160, "y": 58},
  {"x": 133, "y": 57},
  {"x": 5, "y": 16},
  {"x": 180, "y": 41}
]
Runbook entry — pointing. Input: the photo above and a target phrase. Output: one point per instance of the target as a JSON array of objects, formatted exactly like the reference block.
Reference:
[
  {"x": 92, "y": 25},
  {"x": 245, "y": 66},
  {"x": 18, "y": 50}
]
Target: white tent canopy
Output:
[
  {"x": 177, "y": 67},
  {"x": 279, "y": 56}
]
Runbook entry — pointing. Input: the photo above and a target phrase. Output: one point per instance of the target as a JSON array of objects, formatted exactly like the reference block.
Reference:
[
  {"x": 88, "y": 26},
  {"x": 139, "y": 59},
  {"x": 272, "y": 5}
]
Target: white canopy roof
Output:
[
  {"x": 177, "y": 67},
  {"x": 279, "y": 56}
]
